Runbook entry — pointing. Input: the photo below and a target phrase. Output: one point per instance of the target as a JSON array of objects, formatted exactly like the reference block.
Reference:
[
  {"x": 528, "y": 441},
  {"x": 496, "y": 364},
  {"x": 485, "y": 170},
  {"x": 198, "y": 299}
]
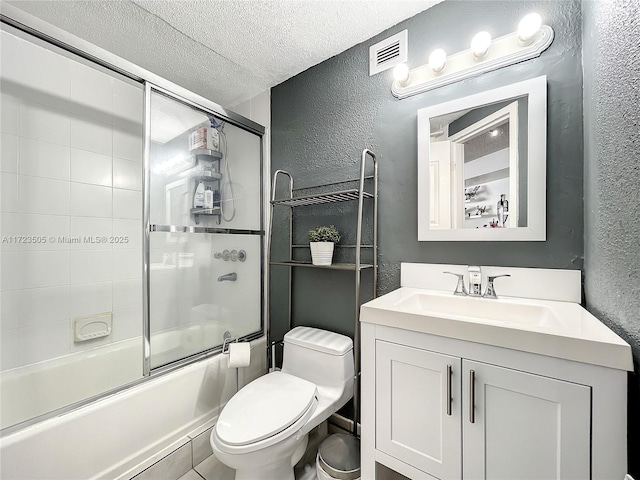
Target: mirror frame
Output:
[{"x": 536, "y": 229}]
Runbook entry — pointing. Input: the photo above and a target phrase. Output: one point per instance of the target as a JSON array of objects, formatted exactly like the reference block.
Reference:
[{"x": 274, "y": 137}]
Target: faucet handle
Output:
[
  {"x": 491, "y": 291},
  {"x": 460, "y": 288}
]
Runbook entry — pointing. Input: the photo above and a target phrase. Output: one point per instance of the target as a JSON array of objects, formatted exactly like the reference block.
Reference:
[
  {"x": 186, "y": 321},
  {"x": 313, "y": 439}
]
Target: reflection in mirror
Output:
[
  {"x": 482, "y": 166},
  {"x": 483, "y": 152}
]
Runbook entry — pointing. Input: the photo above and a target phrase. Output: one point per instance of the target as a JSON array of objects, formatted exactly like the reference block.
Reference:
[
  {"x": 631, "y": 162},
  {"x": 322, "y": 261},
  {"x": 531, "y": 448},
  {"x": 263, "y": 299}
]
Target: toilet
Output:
[{"x": 263, "y": 430}]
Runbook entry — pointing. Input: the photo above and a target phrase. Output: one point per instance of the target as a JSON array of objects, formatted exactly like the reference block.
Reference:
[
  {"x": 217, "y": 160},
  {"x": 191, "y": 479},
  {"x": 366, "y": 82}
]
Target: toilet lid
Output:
[{"x": 265, "y": 407}]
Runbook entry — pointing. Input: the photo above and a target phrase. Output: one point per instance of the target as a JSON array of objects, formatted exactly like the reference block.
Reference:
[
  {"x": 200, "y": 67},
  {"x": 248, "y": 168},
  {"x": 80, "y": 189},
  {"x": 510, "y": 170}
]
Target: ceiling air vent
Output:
[{"x": 388, "y": 53}]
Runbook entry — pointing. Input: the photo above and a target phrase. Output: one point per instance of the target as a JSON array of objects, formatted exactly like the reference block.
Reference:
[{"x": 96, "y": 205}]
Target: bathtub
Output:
[
  {"x": 32, "y": 390},
  {"x": 112, "y": 436}
]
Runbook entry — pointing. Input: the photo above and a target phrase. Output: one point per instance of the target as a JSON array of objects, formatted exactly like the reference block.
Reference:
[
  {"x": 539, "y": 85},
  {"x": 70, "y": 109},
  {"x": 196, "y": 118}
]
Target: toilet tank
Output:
[{"x": 319, "y": 356}]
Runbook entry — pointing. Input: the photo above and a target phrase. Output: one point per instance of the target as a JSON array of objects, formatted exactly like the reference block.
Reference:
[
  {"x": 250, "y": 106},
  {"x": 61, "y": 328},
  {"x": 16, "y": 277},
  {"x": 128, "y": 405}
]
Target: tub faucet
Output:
[{"x": 229, "y": 277}]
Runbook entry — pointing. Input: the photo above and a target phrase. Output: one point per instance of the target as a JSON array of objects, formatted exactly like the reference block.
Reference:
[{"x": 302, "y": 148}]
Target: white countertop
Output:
[{"x": 562, "y": 329}]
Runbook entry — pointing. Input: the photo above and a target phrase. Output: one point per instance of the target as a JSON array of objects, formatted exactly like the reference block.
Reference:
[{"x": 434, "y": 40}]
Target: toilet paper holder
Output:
[{"x": 228, "y": 339}]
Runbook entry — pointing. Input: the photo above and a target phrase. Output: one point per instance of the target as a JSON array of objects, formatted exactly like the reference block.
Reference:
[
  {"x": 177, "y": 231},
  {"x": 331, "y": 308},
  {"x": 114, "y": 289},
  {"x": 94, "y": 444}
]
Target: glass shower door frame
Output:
[{"x": 149, "y": 228}]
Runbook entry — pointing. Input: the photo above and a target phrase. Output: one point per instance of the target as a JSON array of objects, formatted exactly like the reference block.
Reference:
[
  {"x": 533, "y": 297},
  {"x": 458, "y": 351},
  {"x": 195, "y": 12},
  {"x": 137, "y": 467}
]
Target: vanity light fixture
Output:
[
  {"x": 480, "y": 44},
  {"x": 529, "y": 41},
  {"x": 401, "y": 73},
  {"x": 528, "y": 27},
  {"x": 437, "y": 60}
]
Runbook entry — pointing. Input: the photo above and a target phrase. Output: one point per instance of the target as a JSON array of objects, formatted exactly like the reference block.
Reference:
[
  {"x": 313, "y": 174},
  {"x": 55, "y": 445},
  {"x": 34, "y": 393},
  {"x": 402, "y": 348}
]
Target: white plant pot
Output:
[{"x": 321, "y": 252}]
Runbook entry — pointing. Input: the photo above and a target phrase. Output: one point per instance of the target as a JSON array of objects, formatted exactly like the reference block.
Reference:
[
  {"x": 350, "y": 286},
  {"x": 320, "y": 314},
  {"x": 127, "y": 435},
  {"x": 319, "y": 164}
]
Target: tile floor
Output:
[{"x": 194, "y": 460}]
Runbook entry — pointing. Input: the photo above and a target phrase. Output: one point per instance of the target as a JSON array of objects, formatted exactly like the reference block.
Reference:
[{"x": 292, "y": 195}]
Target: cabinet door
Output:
[
  {"x": 523, "y": 426},
  {"x": 413, "y": 421}
]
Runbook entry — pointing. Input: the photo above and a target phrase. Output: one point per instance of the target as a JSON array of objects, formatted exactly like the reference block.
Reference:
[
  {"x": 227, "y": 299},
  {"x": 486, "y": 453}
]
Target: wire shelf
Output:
[
  {"x": 333, "y": 266},
  {"x": 321, "y": 198}
]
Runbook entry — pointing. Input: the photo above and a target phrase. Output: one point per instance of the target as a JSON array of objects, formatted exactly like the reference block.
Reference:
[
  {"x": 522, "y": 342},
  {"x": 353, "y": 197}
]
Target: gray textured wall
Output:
[
  {"x": 325, "y": 116},
  {"x": 612, "y": 180}
]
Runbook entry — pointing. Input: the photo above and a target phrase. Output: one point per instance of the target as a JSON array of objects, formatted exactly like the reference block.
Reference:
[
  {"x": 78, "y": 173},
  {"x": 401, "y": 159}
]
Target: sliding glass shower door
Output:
[{"x": 205, "y": 231}]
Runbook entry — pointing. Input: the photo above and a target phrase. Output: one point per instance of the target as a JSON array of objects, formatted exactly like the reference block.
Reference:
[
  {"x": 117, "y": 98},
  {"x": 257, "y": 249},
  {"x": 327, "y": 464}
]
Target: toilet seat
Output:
[{"x": 264, "y": 412}]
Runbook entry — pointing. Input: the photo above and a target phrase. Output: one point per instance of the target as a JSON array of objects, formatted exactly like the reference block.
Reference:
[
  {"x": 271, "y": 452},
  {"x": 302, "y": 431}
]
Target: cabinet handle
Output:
[
  {"x": 448, "y": 390},
  {"x": 472, "y": 396}
]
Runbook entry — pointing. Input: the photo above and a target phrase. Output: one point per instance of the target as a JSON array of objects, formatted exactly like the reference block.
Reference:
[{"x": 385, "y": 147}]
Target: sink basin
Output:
[
  {"x": 548, "y": 327},
  {"x": 501, "y": 312}
]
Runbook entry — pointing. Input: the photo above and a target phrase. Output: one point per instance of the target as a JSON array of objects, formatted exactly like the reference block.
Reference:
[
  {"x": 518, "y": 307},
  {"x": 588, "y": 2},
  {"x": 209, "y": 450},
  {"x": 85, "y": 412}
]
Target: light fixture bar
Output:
[{"x": 504, "y": 51}]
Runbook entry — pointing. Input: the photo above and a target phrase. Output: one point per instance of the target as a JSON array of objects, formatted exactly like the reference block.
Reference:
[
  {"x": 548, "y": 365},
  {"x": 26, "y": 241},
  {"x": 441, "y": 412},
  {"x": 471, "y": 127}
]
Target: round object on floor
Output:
[{"x": 339, "y": 457}]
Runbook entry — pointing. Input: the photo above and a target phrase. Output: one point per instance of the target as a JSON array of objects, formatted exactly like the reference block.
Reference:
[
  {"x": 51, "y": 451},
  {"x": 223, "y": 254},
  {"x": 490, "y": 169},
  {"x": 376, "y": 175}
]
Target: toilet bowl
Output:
[{"x": 263, "y": 430}]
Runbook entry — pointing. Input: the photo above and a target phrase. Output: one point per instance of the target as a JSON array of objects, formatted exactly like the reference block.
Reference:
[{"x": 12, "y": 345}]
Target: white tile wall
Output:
[
  {"x": 91, "y": 167},
  {"x": 127, "y": 144},
  {"x": 43, "y": 268},
  {"x": 9, "y": 226},
  {"x": 90, "y": 299},
  {"x": 10, "y": 349},
  {"x": 10, "y": 310},
  {"x": 91, "y": 88},
  {"x": 44, "y": 305},
  {"x": 89, "y": 266},
  {"x": 127, "y": 104},
  {"x": 127, "y": 204},
  {"x": 42, "y": 71},
  {"x": 9, "y": 192},
  {"x": 82, "y": 227},
  {"x": 87, "y": 134},
  {"x": 43, "y": 342},
  {"x": 43, "y": 195},
  {"x": 127, "y": 264},
  {"x": 47, "y": 226},
  {"x": 44, "y": 159},
  {"x": 127, "y": 324},
  {"x": 127, "y": 174},
  {"x": 9, "y": 153},
  {"x": 127, "y": 294},
  {"x": 10, "y": 108},
  {"x": 70, "y": 134},
  {"x": 40, "y": 122},
  {"x": 9, "y": 279},
  {"x": 90, "y": 200}
]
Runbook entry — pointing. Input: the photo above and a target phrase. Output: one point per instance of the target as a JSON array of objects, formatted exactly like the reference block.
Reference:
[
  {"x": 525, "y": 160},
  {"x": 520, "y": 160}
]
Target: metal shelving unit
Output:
[{"x": 339, "y": 194}]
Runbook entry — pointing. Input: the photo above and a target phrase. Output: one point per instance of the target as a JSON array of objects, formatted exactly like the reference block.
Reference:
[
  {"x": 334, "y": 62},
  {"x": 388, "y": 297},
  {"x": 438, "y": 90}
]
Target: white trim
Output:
[
  {"x": 536, "y": 90},
  {"x": 504, "y": 51}
]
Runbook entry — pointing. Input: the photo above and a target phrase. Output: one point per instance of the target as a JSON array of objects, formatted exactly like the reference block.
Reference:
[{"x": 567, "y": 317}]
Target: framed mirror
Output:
[{"x": 482, "y": 166}]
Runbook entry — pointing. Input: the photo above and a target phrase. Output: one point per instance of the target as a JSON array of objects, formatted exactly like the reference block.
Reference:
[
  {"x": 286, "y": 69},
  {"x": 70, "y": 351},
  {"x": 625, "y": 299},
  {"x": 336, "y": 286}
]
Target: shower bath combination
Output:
[{"x": 166, "y": 296}]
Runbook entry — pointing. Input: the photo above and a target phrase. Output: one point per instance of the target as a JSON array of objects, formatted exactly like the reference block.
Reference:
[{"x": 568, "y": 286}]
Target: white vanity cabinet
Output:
[
  {"x": 437, "y": 407},
  {"x": 516, "y": 425},
  {"x": 416, "y": 421}
]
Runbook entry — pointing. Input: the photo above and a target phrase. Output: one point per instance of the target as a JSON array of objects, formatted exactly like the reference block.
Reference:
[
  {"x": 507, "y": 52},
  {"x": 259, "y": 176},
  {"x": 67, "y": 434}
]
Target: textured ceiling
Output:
[{"x": 225, "y": 50}]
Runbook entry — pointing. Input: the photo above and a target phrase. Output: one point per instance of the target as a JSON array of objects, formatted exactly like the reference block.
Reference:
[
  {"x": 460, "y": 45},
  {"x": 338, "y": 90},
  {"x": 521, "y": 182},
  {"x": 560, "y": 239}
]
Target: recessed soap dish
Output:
[{"x": 92, "y": 327}]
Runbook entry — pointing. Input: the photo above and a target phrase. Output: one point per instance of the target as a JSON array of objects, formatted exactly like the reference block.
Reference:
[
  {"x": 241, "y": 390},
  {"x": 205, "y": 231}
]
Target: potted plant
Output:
[{"x": 321, "y": 241}]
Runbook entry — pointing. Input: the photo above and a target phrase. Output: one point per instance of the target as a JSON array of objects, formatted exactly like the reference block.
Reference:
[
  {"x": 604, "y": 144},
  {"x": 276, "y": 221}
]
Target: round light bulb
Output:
[
  {"x": 528, "y": 27},
  {"x": 480, "y": 44},
  {"x": 437, "y": 60},
  {"x": 401, "y": 73}
]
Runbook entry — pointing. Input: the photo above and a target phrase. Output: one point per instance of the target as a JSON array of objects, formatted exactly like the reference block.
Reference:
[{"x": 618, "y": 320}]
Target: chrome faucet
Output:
[
  {"x": 229, "y": 277},
  {"x": 491, "y": 290},
  {"x": 460, "y": 288},
  {"x": 475, "y": 283}
]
